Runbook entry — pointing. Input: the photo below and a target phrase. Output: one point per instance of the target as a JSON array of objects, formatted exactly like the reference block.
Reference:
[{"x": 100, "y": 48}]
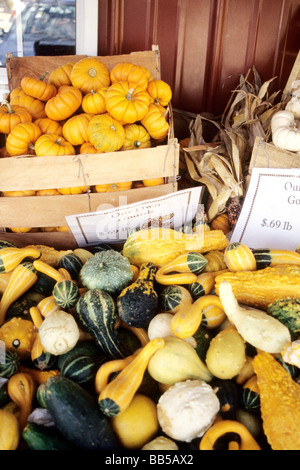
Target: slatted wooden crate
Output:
[{"x": 35, "y": 173}]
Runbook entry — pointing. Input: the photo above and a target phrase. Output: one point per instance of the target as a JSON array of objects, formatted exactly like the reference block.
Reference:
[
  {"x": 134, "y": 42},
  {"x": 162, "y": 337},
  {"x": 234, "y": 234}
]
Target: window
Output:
[{"x": 46, "y": 27}]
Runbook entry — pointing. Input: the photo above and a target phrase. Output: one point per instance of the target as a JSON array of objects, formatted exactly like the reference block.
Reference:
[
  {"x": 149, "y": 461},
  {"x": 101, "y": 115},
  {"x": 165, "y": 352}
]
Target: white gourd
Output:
[
  {"x": 59, "y": 332},
  {"x": 255, "y": 326},
  {"x": 160, "y": 327},
  {"x": 294, "y": 104},
  {"x": 285, "y": 135}
]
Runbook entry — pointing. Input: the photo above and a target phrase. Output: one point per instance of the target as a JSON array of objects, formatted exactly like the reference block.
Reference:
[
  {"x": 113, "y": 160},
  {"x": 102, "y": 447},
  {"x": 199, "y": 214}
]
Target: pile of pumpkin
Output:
[
  {"x": 83, "y": 108},
  {"x": 181, "y": 341}
]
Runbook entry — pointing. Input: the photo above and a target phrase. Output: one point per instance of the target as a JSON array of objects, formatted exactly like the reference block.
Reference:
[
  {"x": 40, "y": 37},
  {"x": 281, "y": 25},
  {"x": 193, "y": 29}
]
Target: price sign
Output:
[
  {"x": 270, "y": 217},
  {"x": 114, "y": 224}
]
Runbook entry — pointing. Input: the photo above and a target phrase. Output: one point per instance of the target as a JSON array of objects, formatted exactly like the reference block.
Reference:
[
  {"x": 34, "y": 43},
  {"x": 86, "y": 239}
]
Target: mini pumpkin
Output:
[
  {"x": 90, "y": 74},
  {"x": 61, "y": 75},
  {"x": 127, "y": 102},
  {"x": 35, "y": 106},
  {"x": 38, "y": 88},
  {"x": 64, "y": 104},
  {"x": 87, "y": 147},
  {"x": 106, "y": 133},
  {"x": 160, "y": 92},
  {"x": 129, "y": 73},
  {"x": 52, "y": 144},
  {"x": 94, "y": 101},
  {"x": 156, "y": 123},
  {"x": 75, "y": 128},
  {"x": 136, "y": 137},
  {"x": 10, "y": 116},
  {"x": 21, "y": 140},
  {"x": 74, "y": 190},
  {"x": 104, "y": 188},
  {"x": 49, "y": 126}
]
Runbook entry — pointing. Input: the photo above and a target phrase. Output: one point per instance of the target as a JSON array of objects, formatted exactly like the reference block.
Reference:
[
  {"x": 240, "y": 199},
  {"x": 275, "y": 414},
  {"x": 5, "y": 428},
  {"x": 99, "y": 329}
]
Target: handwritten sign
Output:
[
  {"x": 270, "y": 216},
  {"x": 113, "y": 225}
]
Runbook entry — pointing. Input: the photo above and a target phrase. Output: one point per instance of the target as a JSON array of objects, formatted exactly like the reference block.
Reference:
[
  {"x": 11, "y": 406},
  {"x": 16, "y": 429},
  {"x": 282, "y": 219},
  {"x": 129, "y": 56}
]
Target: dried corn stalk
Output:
[{"x": 222, "y": 165}]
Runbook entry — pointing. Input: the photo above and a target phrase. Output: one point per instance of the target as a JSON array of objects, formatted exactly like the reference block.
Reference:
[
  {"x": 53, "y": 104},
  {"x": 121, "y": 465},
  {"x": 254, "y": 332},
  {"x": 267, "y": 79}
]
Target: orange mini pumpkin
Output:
[
  {"x": 87, "y": 147},
  {"x": 49, "y": 126},
  {"x": 104, "y": 188},
  {"x": 130, "y": 73},
  {"x": 38, "y": 88},
  {"x": 35, "y": 106},
  {"x": 52, "y": 144},
  {"x": 155, "y": 123},
  {"x": 127, "y": 102},
  {"x": 160, "y": 92},
  {"x": 74, "y": 190},
  {"x": 75, "y": 128},
  {"x": 64, "y": 104},
  {"x": 21, "y": 140},
  {"x": 94, "y": 101},
  {"x": 10, "y": 116},
  {"x": 61, "y": 75},
  {"x": 90, "y": 74}
]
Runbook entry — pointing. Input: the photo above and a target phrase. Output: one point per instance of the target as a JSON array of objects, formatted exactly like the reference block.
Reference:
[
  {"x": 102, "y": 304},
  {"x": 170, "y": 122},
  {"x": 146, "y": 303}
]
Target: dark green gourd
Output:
[
  {"x": 96, "y": 313},
  {"x": 138, "y": 303}
]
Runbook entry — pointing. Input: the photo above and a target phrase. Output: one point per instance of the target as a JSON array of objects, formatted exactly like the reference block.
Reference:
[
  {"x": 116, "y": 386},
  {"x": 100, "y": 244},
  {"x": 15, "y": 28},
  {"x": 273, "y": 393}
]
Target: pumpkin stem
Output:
[
  {"x": 129, "y": 94},
  {"x": 7, "y": 104},
  {"x": 44, "y": 75},
  {"x": 137, "y": 143},
  {"x": 92, "y": 72}
]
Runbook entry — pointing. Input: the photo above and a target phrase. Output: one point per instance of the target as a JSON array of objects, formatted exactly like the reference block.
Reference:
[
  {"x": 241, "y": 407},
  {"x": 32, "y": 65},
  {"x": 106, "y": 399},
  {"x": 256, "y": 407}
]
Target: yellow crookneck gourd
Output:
[
  {"x": 21, "y": 389},
  {"x": 220, "y": 428},
  {"x": 279, "y": 403},
  {"x": 23, "y": 276},
  {"x": 187, "y": 320},
  {"x": 255, "y": 326},
  {"x": 118, "y": 393},
  {"x": 184, "y": 269},
  {"x": 10, "y": 257}
]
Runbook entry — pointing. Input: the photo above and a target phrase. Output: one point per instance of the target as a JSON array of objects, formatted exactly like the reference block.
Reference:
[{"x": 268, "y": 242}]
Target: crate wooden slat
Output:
[{"x": 266, "y": 155}]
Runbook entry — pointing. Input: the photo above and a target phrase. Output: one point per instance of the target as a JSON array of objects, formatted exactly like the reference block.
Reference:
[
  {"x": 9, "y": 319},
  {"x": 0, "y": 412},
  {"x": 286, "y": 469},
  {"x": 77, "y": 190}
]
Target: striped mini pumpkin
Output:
[{"x": 65, "y": 293}]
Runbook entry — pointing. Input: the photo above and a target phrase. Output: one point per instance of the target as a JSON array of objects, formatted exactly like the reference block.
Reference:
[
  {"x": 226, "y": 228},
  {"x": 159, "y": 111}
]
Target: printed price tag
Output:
[
  {"x": 270, "y": 216},
  {"x": 114, "y": 224}
]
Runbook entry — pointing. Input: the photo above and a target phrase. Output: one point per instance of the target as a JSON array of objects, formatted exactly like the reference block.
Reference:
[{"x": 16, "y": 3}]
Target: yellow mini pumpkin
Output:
[
  {"x": 74, "y": 190},
  {"x": 160, "y": 92},
  {"x": 35, "y": 106},
  {"x": 136, "y": 137},
  {"x": 104, "y": 188},
  {"x": 155, "y": 122},
  {"x": 49, "y": 126},
  {"x": 61, "y": 75},
  {"x": 64, "y": 104},
  {"x": 90, "y": 74},
  {"x": 127, "y": 102},
  {"x": 106, "y": 133}
]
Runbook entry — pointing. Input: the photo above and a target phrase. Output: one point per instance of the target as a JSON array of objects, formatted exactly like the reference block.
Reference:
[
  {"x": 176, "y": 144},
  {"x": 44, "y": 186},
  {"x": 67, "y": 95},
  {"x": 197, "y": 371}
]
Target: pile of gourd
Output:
[{"x": 181, "y": 341}]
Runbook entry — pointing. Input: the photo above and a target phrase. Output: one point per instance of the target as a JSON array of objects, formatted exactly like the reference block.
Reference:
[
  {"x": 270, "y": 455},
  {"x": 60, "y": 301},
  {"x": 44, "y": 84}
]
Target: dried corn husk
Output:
[{"x": 222, "y": 165}]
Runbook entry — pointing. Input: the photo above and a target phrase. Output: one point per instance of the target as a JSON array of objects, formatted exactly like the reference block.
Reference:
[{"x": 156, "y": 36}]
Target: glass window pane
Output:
[{"x": 37, "y": 28}]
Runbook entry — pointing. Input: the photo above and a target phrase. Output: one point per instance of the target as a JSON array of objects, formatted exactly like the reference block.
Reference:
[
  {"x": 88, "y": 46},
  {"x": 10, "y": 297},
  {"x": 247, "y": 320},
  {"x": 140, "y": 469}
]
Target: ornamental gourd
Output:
[{"x": 285, "y": 134}]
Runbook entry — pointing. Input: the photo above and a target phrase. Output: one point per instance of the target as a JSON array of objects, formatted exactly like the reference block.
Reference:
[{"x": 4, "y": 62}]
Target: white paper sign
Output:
[
  {"x": 115, "y": 224},
  {"x": 270, "y": 216}
]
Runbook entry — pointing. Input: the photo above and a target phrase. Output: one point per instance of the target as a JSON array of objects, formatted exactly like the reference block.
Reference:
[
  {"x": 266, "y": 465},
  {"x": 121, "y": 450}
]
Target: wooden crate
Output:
[{"x": 31, "y": 172}]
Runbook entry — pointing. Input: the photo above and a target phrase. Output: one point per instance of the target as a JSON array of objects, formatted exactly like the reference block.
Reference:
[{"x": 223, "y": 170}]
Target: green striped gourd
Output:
[{"x": 66, "y": 293}]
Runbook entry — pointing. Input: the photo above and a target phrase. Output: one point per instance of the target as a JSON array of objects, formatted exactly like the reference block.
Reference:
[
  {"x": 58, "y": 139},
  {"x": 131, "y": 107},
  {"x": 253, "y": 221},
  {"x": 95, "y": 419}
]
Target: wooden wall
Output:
[{"x": 205, "y": 45}]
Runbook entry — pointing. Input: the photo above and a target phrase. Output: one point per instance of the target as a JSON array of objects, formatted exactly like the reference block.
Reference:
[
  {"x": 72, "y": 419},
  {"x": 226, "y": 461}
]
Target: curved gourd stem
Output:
[
  {"x": 221, "y": 428},
  {"x": 45, "y": 268},
  {"x": 187, "y": 320}
]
